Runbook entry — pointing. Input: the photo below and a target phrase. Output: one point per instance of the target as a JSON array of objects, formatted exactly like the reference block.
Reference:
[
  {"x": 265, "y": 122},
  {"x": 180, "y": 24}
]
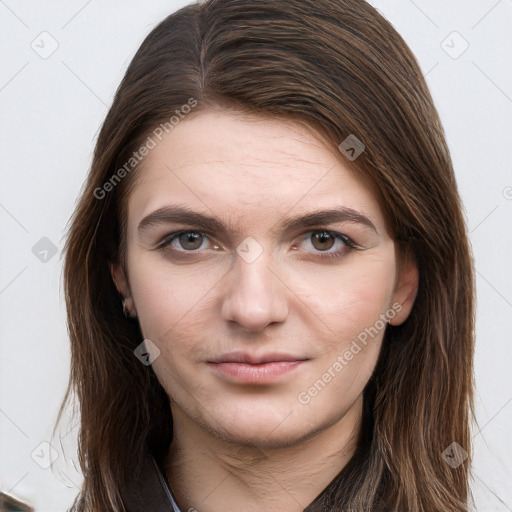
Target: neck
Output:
[{"x": 209, "y": 474}]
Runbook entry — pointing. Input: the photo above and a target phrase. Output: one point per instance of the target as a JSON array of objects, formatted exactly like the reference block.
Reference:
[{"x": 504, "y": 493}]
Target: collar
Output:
[{"x": 148, "y": 491}]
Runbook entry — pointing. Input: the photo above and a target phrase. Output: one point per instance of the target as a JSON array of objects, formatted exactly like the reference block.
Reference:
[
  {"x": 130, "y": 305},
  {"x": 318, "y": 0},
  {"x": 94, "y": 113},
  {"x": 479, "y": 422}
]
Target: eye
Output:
[
  {"x": 330, "y": 243},
  {"x": 322, "y": 240},
  {"x": 185, "y": 241}
]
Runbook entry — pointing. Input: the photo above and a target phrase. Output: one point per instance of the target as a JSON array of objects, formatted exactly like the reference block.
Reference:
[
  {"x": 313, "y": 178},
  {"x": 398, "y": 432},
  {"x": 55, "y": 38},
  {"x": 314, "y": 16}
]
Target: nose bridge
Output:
[{"x": 255, "y": 297}]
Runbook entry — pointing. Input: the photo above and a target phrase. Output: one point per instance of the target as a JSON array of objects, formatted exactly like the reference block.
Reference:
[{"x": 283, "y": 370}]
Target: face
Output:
[{"x": 261, "y": 268}]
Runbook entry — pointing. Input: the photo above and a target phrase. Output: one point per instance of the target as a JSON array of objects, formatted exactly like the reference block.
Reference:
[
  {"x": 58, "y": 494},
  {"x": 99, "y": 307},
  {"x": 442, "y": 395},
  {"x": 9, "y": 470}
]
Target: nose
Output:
[{"x": 255, "y": 297}]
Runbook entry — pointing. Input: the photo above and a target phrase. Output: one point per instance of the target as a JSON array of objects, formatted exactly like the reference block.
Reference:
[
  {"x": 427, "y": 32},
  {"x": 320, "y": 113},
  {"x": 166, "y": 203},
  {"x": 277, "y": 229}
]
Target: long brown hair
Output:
[{"x": 340, "y": 68}]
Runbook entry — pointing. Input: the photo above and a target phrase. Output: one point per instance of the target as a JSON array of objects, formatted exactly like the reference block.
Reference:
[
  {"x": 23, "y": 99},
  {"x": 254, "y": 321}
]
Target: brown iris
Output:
[
  {"x": 190, "y": 240},
  {"x": 322, "y": 240}
]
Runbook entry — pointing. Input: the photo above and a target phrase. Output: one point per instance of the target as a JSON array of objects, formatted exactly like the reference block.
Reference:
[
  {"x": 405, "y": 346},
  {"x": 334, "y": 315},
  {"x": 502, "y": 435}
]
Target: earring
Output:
[{"x": 126, "y": 310}]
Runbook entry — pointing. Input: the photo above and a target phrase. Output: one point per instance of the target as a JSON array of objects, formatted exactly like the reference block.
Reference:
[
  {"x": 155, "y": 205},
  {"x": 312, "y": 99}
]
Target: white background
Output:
[{"x": 51, "y": 110}]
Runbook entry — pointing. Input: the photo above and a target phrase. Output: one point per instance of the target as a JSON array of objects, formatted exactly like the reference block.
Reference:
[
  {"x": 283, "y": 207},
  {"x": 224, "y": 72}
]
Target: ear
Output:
[
  {"x": 120, "y": 279},
  {"x": 406, "y": 287}
]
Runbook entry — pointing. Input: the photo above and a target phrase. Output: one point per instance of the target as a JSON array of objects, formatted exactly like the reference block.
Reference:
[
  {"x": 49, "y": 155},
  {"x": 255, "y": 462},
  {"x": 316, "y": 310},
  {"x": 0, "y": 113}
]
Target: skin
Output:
[{"x": 257, "y": 444}]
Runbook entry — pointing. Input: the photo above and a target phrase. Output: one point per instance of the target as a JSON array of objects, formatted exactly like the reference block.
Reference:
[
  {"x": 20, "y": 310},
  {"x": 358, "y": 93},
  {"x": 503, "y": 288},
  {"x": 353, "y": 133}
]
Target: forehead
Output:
[{"x": 247, "y": 167}]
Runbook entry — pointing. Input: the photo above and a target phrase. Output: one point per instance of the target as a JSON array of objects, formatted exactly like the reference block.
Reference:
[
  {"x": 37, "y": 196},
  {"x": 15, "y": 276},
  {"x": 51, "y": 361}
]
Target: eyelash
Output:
[{"x": 163, "y": 246}]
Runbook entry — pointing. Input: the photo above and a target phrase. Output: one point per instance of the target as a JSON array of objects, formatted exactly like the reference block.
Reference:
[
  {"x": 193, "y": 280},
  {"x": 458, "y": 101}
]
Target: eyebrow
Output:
[{"x": 184, "y": 215}]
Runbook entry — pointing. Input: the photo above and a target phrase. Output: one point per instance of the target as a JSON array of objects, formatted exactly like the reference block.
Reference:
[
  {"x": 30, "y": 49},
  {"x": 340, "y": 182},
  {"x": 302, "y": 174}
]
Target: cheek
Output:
[
  {"x": 350, "y": 297},
  {"x": 354, "y": 306},
  {"x": 166, "y": 298}
]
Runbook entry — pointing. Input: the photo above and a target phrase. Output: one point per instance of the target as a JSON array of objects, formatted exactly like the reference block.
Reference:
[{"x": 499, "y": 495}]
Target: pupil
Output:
[
  {"x": 323, "y": 241},
  {"x": 190, "y": 240}
]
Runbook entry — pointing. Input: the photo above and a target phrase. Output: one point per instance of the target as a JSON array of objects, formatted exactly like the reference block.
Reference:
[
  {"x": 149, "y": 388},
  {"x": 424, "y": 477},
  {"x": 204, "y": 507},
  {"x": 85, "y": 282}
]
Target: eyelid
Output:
[
  {"x": 345, "y": 239},
  {"x": 339, "y": 236},
  {"x": 166, "y": 241}
]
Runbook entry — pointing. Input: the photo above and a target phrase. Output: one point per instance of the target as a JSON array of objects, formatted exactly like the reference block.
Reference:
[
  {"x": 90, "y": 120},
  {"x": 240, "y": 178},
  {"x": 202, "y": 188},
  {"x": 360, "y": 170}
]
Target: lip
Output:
[
  {"x": 252, "y": 369},
  {"x": 246, "y": 357}
]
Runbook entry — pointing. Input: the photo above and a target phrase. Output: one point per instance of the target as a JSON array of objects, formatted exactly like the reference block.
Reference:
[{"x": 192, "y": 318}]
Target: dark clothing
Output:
[{"x": 150, "y": 492}]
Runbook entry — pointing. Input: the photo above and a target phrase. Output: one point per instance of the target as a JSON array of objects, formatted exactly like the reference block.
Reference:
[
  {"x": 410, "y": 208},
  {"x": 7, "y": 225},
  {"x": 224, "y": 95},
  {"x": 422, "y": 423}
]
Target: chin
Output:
[
  {"x": 259, "y": 438},
  {"x": 264, "y": 428}
]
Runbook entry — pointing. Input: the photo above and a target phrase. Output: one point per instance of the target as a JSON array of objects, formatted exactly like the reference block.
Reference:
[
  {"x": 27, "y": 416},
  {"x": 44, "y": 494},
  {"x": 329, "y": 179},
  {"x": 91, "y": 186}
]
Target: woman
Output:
[{"x": 268, "y": 277}]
